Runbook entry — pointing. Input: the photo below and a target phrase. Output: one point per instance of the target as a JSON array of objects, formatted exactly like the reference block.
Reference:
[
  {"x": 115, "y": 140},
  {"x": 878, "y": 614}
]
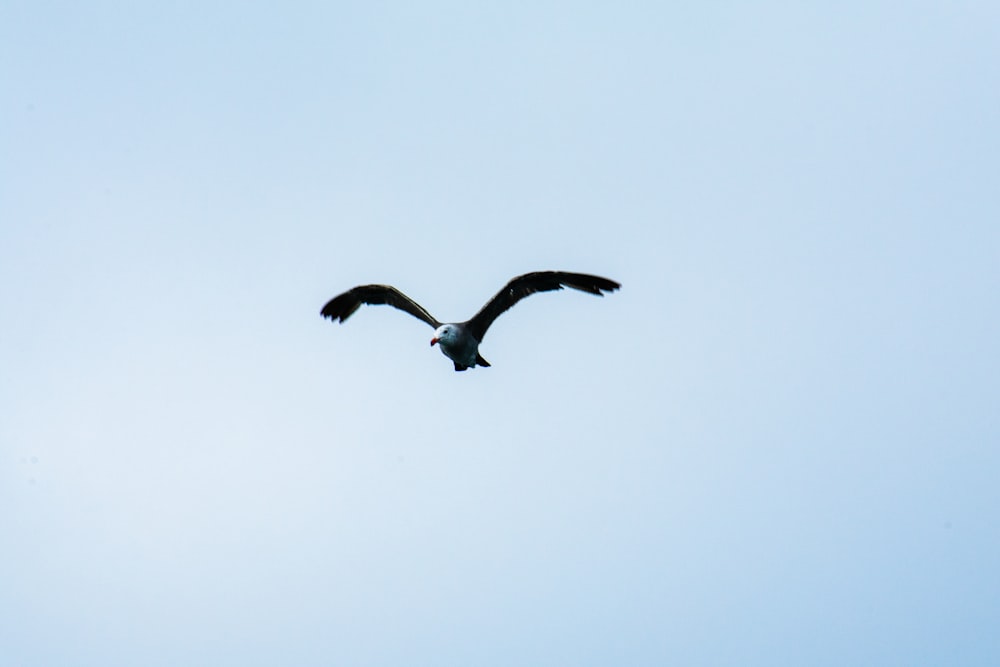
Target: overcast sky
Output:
[{"x": 778, "y": 444}]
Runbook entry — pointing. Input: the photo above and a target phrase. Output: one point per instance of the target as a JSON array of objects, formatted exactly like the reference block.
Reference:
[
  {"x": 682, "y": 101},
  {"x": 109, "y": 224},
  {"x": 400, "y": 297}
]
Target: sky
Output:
[{"x": 777, "y": 444}]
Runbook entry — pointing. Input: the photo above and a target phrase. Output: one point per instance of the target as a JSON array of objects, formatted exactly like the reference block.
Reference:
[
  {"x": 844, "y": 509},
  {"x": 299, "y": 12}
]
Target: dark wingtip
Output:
[
  {"x": 592, "y": 284},
  {"x": 608, "y": 285},
  {"x": 339, "y": 308}
]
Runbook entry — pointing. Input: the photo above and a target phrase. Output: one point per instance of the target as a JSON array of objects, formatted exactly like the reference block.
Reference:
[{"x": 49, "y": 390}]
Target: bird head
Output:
[{"x": 444, "y": 333}]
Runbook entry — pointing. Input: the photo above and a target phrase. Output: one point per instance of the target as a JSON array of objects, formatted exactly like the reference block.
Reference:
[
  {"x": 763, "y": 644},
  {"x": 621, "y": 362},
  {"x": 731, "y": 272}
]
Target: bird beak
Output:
[{"x": 433, "y": 341}]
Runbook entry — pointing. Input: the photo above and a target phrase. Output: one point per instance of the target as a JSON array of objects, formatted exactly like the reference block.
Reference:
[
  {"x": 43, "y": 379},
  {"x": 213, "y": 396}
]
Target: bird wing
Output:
[
  {"x": 343, "y": 306},
  {"x": 528, "y": 284}
]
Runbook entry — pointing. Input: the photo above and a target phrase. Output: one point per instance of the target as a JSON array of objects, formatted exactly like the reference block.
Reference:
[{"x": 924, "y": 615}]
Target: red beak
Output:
[{"x": 433, "y": 341}]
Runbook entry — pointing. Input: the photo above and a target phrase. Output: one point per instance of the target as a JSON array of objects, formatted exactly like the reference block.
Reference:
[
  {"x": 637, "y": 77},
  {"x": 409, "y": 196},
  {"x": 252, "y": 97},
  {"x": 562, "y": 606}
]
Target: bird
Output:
[{"x": 459, "y": 341}]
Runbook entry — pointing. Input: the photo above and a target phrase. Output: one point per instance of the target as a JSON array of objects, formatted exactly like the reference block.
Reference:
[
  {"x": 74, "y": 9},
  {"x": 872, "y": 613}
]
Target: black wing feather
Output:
[
  {"x": 530, "y": 283},
  {"x": 343, "y": 306}
]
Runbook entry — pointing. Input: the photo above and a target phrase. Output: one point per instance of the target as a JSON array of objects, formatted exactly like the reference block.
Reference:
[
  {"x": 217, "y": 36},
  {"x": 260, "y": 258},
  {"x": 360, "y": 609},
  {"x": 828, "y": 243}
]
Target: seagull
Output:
[{"x": 459, "y": 341}]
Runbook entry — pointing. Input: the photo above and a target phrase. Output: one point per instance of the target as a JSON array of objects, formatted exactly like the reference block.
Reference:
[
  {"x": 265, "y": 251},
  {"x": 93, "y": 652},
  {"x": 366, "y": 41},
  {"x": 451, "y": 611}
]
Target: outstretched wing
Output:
[
  {"x": 343, "y": 306},
  {"x": 528, "y": 284}
]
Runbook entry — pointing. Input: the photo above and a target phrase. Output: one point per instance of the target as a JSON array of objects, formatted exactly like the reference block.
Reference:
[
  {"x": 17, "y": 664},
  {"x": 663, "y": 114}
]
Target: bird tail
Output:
[{"x": 480, "y": 361}]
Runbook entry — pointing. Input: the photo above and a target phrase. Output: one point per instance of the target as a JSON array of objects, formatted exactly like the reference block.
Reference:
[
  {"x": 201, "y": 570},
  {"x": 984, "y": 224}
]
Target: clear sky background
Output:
[{"x": 776, "y": 445}]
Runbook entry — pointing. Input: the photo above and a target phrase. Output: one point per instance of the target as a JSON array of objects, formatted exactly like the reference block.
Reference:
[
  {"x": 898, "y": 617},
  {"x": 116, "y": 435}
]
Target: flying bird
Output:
[{"x": 459, "y": 341}]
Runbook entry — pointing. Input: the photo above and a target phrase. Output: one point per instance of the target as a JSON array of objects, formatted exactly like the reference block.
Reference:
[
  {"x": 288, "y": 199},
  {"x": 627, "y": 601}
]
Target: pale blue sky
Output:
[{"x": 776, "y": 445}]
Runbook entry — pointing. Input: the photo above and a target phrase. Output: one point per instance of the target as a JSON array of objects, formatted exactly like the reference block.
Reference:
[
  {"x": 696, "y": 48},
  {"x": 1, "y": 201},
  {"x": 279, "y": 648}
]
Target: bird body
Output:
[
  {"x": 459, "y": 341},
  {"x": 459, "y": 345}
]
